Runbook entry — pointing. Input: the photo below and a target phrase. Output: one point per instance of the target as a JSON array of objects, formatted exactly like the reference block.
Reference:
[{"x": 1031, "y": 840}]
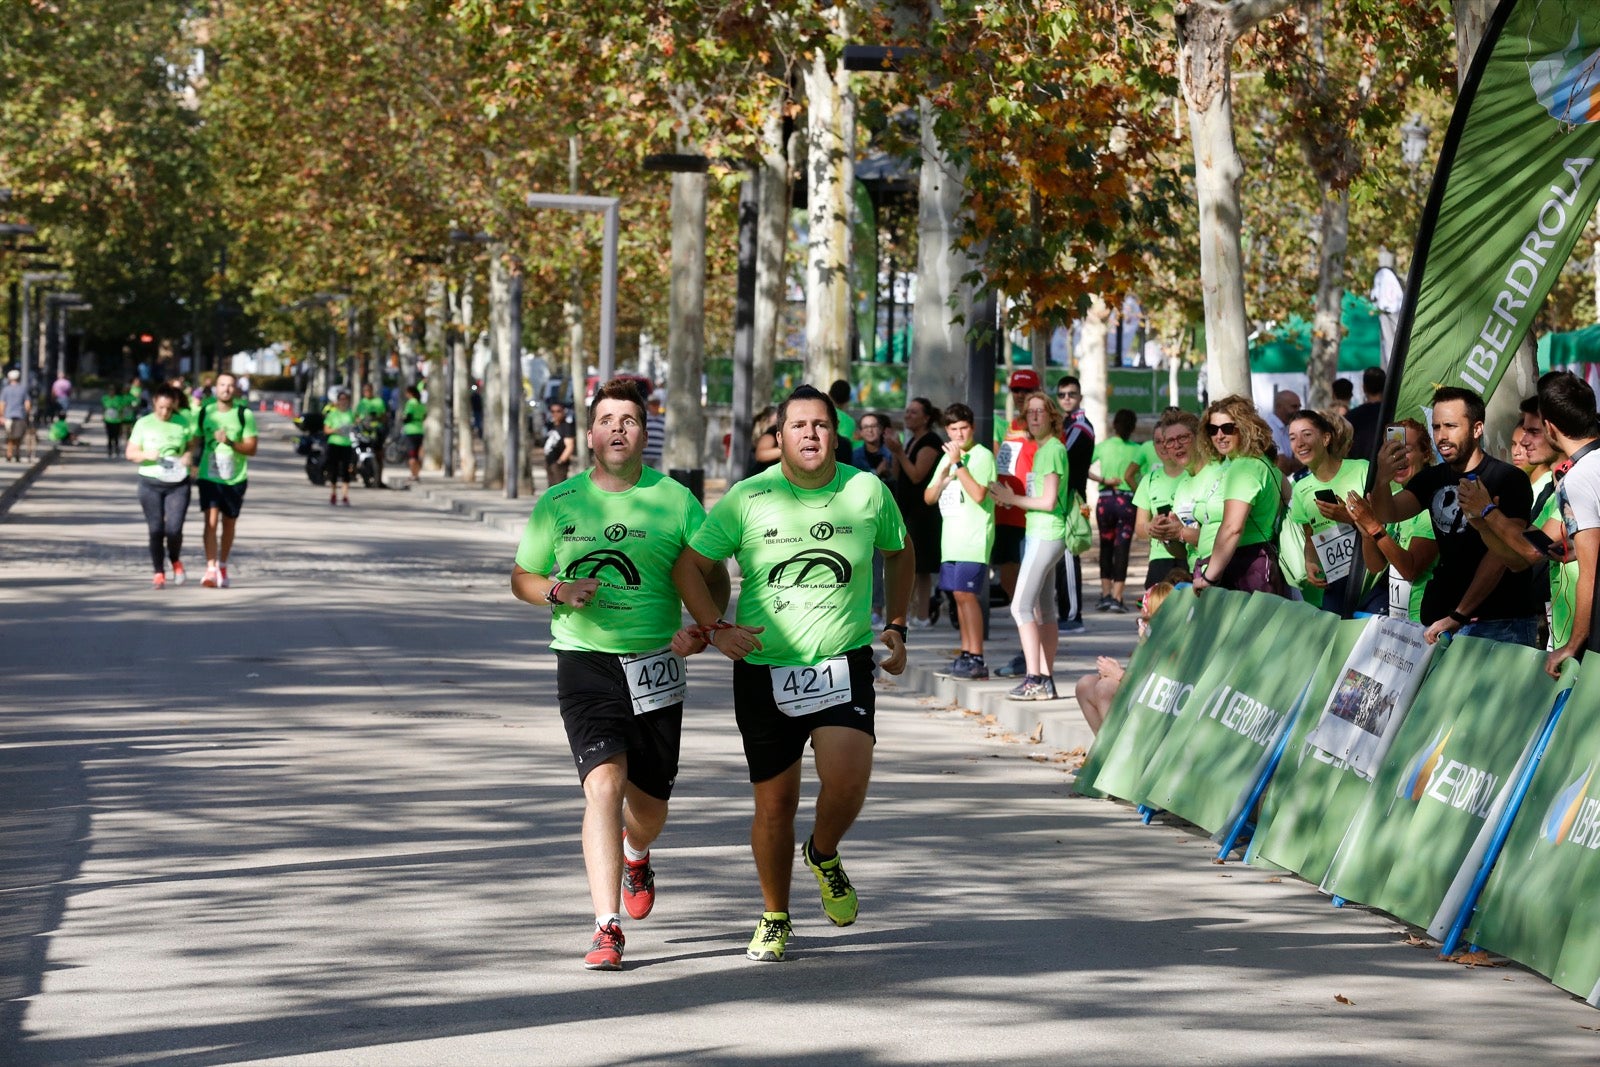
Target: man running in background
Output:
[{"x": 228, "y": 438}]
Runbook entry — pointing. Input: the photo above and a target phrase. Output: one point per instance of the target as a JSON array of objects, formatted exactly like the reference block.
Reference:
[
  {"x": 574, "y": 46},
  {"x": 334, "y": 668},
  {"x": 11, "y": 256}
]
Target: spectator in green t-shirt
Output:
[
  {"x": 960, "y": 487},
  {"x": 413, "y": 423},
  {"x": 1116, "y": 468}
]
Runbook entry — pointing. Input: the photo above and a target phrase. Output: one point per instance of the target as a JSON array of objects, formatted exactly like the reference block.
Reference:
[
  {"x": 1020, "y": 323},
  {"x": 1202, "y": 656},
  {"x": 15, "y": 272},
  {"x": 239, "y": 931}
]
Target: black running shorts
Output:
[
  {"x": 773, "y": 741},
  {"x": 601, "y": 725},
  {"x": 229, "y": 499},
  {"x": 1007, "y": 545}
]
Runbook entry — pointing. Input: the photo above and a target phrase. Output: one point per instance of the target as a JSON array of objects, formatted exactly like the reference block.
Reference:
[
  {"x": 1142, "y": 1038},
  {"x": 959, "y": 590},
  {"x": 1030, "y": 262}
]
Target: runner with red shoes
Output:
[
  {"x": 599, "y": 548},
  {"x": 227, "y": 433}
]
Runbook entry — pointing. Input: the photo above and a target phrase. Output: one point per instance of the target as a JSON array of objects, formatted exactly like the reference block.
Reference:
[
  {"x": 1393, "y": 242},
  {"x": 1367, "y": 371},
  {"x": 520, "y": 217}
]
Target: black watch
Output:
[{"x": 897, "y": 627}]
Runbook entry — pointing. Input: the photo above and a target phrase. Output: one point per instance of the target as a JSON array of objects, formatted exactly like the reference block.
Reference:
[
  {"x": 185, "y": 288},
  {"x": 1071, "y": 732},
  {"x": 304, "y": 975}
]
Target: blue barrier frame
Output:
[
  {"x": 1497, "y": 843},
  {"x": 1243, "y": 823}
]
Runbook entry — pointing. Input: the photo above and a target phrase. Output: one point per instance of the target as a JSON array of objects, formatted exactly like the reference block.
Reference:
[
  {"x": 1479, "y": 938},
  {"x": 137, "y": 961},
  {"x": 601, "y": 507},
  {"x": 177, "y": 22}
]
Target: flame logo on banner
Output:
[
  {"x": 1564, "y": 809},
  {"x": 1419, "y": 772},
  {"x": 1567, "y": 82}
]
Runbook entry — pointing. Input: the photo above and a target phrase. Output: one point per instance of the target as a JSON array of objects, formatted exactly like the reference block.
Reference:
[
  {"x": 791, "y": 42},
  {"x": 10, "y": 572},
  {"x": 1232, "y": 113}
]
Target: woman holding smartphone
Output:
[
  {"x": 1174, "y": 442},
  {"x": 1407, "y": 549},
  {"x": 1320, "y": 441}
]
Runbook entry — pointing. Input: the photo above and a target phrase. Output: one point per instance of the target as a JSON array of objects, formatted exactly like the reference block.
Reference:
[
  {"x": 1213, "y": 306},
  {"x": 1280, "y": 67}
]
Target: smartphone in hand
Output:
[
  {"x": 1541, "y": 542},
  {"x": 1164, "y": 509},
  {"x": 1327, "y": 496},
  {"x": 1395, "y": 435}
]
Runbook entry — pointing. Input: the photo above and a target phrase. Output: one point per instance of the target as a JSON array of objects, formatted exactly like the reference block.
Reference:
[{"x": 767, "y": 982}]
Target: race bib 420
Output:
[{"x": 655, "y": 679}]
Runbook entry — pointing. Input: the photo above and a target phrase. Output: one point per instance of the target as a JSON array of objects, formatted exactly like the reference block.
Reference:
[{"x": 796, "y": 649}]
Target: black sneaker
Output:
[
  {"x": 1104, "y": 604},
  {"x": 956, "y": 667},
  {"x": 1017, "y": 668},
  {"x": 1118, "y": 607}
]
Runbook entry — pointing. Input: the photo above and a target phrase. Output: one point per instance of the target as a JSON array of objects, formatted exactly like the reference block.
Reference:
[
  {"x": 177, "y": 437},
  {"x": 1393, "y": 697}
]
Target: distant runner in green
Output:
[
  {"x": 599, "y": 549},
  {"x": 803, "y": 533},
  {"x": 228, "y": 440}
]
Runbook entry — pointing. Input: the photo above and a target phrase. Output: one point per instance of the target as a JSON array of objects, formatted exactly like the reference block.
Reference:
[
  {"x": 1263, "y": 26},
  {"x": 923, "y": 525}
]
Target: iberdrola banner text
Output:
[{"x": 1516, "y": 184}]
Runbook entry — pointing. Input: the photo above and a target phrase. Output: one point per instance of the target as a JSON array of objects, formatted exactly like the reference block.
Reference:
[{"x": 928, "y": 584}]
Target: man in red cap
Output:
[{"x": 1014, "y": 460}]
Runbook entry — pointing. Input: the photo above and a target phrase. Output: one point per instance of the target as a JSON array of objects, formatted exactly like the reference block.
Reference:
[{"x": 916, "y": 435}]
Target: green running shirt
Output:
[
  {"x": 806, "y": 559},
  {"x": 628, "y": 540}
]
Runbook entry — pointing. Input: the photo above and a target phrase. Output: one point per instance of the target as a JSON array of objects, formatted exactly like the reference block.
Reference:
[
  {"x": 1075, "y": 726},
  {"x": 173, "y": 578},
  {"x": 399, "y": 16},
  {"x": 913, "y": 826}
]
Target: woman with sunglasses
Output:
[
  {"x": 1320, "y": 441},
  {"x": 1239, "y": 513}
]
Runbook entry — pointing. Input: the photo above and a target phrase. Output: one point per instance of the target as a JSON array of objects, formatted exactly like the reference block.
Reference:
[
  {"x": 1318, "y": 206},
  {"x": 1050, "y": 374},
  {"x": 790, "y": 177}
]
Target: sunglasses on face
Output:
[
  {"x": 1227, "y": 428},
  {"x": 1068, "y": 396}
]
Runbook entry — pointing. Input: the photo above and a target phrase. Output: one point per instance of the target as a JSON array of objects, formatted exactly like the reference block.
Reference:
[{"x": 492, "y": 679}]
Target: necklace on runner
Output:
[{"x": 835, "y": 481}]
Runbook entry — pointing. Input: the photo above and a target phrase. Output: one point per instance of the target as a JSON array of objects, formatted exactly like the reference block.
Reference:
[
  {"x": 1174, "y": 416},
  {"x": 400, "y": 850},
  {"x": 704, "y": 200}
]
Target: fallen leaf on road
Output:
[
  {"x": 1340, "y": 998},
  {"x": 1479, "y": 958},
  {"x": 1274, "y": 878},
  {"x": 1219, "y": 861},
  {"x": 1418, "y": 942},
  {"x": 1038, "y": 734}
]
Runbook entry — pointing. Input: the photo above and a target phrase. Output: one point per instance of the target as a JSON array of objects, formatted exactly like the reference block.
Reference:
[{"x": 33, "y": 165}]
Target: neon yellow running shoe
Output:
[
  {"x": 839, "y": 902},
  {"x": 772, "y": 937}
]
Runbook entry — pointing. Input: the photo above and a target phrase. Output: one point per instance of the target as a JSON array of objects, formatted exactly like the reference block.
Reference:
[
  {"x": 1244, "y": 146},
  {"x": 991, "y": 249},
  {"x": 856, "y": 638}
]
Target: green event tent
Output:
[
  {"x": 1565, "y": 349},
  {"x": 1286, "y": 350}
]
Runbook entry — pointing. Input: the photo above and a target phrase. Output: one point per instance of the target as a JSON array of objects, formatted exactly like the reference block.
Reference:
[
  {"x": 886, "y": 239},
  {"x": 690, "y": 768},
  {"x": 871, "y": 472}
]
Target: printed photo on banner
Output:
[{"x": 1376, "y": 685}]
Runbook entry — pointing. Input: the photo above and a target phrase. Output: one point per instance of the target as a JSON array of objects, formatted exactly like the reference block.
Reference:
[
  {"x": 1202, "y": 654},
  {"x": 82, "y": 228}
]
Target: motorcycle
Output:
[
  {"x": 363, "y": 440},
  {"x": 312, "y": 445}
]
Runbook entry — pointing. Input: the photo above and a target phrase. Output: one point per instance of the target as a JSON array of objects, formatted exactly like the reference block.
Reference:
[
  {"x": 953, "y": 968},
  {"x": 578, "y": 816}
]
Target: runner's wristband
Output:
[
  {"x": 710, "y": 630},
  {"x": 899, "y": 628},
  {"x": 1460, "y": 618},
  {"x": 1380, "y": 535},
  {"x": 554, "y": 595},
  {"x": 1484, "y": 514}
]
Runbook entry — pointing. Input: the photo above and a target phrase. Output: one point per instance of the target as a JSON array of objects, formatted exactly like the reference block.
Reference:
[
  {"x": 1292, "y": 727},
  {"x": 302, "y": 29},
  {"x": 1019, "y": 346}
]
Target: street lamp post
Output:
[
  {"x": 29, "y": 280},
  {"x": 57, "y": 305},
  {"x": 609, "y": 207}
]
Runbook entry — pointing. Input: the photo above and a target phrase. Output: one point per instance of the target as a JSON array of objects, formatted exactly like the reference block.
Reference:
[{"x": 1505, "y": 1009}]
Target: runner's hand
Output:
[
  {"x": 1361, "y": 512},
  {"x": 895, "y": 661},
  {"x": 576, "y": 594},
  {"x": 737, "y": 642},
  {"x": 689, "y": 641}
]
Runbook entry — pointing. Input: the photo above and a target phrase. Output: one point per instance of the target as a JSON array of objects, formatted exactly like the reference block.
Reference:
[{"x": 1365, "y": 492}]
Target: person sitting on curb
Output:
[{"x": 1096, "y": 691}]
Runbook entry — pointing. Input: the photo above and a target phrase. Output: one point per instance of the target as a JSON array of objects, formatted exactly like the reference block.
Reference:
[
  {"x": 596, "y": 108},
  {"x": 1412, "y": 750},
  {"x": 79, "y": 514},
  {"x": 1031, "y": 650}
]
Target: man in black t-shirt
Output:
[
  {"x": 560, "y": 441},
  {"x": 1472, "y": 591}
]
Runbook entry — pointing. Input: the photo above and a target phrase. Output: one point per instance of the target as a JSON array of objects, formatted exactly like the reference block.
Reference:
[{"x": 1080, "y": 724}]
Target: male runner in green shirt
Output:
[
  {"x": 600, "y": 549},
  {"x": 803, "y": 533},
  {"x": 228, "y": 440}
]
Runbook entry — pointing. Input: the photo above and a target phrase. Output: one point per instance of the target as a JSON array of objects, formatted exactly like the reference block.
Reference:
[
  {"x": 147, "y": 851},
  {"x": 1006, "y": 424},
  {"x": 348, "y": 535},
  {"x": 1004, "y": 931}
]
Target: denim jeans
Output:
[{"x": 1509, "y": 631}]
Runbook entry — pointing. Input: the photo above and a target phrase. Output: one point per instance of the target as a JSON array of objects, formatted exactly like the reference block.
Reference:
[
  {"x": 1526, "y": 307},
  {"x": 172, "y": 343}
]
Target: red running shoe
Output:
[
  {"x": 605, "y": 951},
  {"x": 638, "y": 886}
]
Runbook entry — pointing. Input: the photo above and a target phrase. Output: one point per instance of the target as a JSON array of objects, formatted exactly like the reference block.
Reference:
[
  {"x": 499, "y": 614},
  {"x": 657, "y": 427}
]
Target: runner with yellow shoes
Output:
[{"x": 803, "y": 533}]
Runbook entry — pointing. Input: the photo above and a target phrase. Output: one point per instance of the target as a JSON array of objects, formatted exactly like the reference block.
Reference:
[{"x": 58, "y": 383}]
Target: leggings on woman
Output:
[
  {"x": 1115, "y": 513},
  {"x": 337, "y": 463},
  {"x": 1035, "y": 596},
  {"x": 164, "y": 509}
]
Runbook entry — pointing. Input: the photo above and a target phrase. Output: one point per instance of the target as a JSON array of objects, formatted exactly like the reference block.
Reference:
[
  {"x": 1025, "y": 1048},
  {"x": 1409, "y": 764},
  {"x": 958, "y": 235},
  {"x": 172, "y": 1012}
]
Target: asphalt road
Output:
[{"x": 328, "y": 816}]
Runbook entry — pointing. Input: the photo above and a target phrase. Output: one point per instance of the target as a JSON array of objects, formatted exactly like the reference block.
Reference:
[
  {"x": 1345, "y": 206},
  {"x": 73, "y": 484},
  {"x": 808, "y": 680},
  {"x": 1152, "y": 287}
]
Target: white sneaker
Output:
[{"x": 919, "y": 624}]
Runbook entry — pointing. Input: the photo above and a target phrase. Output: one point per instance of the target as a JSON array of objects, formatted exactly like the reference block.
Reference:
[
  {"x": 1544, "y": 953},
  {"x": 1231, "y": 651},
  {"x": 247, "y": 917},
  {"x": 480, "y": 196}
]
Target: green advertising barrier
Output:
[
  {"x": 1541, "y": 906},
  {"x": 1452, "y": 761},
  {"x": 1219, "y": 743},
  {"x": 1312, "y": 798},
  {"x": 1184, "y": 636}
]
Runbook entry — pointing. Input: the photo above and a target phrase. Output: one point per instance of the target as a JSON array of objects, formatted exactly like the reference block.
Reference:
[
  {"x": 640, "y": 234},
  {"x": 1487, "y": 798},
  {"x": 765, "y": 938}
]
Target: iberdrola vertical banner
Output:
[{"x": 1516, "y": 183}]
